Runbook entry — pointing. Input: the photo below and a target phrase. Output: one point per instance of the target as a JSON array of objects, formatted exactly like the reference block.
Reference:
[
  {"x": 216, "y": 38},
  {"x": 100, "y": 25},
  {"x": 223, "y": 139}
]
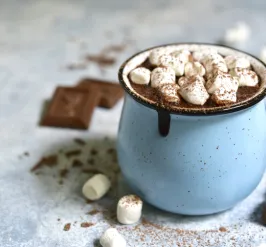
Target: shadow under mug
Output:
[{"x": 192, "y": 162}]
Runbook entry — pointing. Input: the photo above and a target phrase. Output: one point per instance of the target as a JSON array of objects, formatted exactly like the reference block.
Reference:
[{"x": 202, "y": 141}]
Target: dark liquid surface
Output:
[{"x": 150, "y": 93}]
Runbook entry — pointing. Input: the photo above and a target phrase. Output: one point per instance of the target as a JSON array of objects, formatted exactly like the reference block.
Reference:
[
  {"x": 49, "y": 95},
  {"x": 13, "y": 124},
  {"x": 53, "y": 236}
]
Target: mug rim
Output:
[{"x": 186, "y": 111}]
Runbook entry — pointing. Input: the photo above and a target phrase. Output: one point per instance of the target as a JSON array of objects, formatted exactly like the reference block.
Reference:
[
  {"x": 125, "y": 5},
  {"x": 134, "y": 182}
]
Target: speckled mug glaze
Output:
[{"x": 208, "y": 162}]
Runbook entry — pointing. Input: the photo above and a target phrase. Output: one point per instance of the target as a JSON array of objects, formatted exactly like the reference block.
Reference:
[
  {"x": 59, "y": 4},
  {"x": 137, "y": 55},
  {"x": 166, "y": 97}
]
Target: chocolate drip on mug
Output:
[{"x": 164, "y": 120}]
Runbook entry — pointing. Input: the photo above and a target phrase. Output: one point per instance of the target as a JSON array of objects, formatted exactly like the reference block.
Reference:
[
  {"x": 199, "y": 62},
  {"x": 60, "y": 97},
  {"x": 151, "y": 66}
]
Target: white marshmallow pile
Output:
[
  {"x": 129, "y": 209},
  {"x": 193, "y": 91},
  {"x": 161, "y": 76},
  {"x": 140, "y": 76},
  {"x": 174, "y": 63},
  {"x": 112, "y": 238},
  {"x": 237, "y": 34},
  {"x": 169, "y": 92},
  {"x": 194, "y": 68},
  {"x": 235, "y": 62},
  {"x": 96, "y": 187},
  {"x": 155, "y": 55},
  {"x": 181, "y": 74},
  {"x": 245, "y": 77},
  {"x": 262, "y": 245}
]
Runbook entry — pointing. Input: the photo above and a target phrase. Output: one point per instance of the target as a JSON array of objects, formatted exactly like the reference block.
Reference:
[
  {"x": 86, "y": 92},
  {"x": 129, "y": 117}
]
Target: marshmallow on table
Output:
[
  {"x": 223, "y": 96},
  {"x": 221, "y": 79},
  {"x": 237, "y": 34},
  {"x": 112, "y": 238},
  {"x": 193, "y": 91},
  {"x": 235, "y": 62},
  {"x": 161, "y": 76},
  {"x": 156, "y": 54},
  {"x": 172, "y": 62},
  {"x": 214, "y": 62},
  {"x": 96, "y": 187},
  {"x": 263, "y": 54},
  {"x": 140, "y": 75},
  {"x": 245, "y": 77},
  {"x": 169, "y": 92},
  {"x": 194, "y": 68},
  {"x": 129, "y": 209}
]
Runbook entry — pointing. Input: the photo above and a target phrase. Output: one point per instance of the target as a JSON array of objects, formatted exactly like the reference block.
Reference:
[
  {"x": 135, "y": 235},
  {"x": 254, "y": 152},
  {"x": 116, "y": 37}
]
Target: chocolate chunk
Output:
[
  {"x": 71, "y": 153},
  {"x": 111, "y": 92},
  {"x": 77, "y": 163},
  {"x": 80, "y": 141},
  {"x": 71, "y": 108},
  {"x": 45, "y": 161}
]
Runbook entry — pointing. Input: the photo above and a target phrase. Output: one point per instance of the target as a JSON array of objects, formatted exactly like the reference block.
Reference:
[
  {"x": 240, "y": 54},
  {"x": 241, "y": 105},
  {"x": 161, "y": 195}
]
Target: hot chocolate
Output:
[{"x": 194, "y": 79}]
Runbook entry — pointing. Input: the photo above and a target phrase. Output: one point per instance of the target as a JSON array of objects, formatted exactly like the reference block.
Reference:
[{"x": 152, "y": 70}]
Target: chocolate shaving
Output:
[
  {"x": 93, "y": 212},
  {"x": 71, "y": 153},
  {"x": 86, "y": 224},
  {"x": 67, "y": 227},
  {"x": 77, "y": 163},
  {"x": 91, "y": 170},
  {"x": 63, "y": 173},
  {"x": 45, "y": 161},
  {"x": 101, "y": 60},
  {"x": 80, "y": 141}
]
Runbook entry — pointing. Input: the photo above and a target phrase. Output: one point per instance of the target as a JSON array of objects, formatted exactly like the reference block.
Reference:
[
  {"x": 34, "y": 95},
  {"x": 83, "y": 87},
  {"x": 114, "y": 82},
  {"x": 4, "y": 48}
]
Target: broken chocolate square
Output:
[
  {"x": 111, "y": 93},
  {"x": 71, "y": 108}
]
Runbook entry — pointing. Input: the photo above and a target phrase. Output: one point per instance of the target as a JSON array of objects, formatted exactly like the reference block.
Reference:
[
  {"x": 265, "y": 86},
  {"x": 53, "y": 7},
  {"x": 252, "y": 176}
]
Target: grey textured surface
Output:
[{"x": 36, "y": 43}]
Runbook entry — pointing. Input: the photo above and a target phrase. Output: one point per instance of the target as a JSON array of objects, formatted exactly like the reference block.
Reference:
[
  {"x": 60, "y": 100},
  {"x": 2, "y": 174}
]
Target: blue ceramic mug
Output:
[{"x": 192, "y": 162}]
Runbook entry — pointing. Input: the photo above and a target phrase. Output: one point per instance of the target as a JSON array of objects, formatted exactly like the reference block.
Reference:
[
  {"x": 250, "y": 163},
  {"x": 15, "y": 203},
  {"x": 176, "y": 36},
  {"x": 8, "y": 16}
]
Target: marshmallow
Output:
[
  {"x": 223, "y": 96},
  {"x": 96, "y": 187},
  {"x": 169, "y": 92},
  {"x": 129, "y": 209},
  {"x": 193, "y": 91},
  {"x": 262, "y": 245},
  {"x": 221, "y": 79},
  {"x": 161, "y": 76},
  {"x": 245, "y": 77},
  {"x": 213, "y": 63},
  {"x": 172, "y": 62},
  {"x": 112, "y": 238},
  {"x": 263, "y": 54},
  {"x": 140, "y": 76},
  {"x": 235, "y": 62},
  {"x": 194, "y": 68},
  {"x": 156, "y": 54},
  {"x": 183, "y": 55},
  {"x": 239, "y": 33}
]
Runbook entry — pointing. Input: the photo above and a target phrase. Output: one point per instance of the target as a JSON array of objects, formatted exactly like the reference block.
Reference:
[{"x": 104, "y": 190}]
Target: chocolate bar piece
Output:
[
  {"x": 71, "y": 108},
  {"x": 111, "y": 92}
]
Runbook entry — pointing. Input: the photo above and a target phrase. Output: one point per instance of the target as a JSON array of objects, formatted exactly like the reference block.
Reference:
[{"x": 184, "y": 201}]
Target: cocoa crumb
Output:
[
  {"x": 102, "y": 60},
  {"x": 110, "y": 150},
  {"x": 222, "y": 229},
  {"x": 91, "y": 170},
  {"x": 71, "y": 153},
  {"x": 67, "y": 227},
  {"x": 80, "y": 141},
  {"x": 93, "y": 212},
  {"x": 58, "y": 219},
  {"x": 77, "y": 163},
  {"x": 63, "y": 173},
  {"x": 86, "y": 224},
  {"x": 26, "y": 154},
  {"x": 45, "y": 161},
  {"x": 217, "y": 147},
  {"x": 94, "y": 152}
]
